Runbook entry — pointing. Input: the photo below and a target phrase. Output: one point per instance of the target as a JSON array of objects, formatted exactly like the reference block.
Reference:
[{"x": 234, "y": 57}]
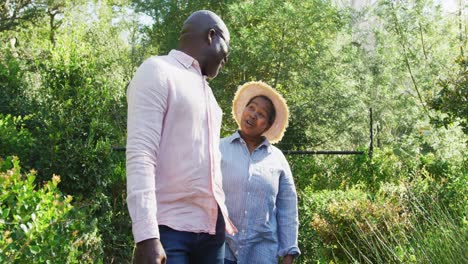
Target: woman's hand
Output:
[{"x": 288, "y": 259}]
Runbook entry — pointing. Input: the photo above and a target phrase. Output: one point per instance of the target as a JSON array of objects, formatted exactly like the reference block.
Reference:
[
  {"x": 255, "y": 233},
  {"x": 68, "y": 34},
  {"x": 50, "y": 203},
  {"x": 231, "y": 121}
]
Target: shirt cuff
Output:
[
  {"x": 289, "y": 251},
  {"x": 145, "y": 229}
]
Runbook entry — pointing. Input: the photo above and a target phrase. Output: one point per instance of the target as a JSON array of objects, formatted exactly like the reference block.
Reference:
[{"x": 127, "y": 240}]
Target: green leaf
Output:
[
  {"x": 5, "y": 213},
  {"x": 35, "y": 249}
]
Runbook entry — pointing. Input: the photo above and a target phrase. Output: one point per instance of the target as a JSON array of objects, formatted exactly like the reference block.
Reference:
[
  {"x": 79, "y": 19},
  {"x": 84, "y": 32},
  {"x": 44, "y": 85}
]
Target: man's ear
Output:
[{"x": 211, "y": 35}]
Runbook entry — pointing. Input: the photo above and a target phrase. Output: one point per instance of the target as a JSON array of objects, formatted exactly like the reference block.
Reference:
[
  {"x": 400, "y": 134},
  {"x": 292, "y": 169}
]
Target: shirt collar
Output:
[
  {"x": 183, "y": 58},
  {"x": 236, "y": 136}
]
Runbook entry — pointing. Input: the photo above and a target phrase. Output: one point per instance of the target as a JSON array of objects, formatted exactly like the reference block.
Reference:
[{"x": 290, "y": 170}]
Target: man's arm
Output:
[{"x": 146, "y": 97}]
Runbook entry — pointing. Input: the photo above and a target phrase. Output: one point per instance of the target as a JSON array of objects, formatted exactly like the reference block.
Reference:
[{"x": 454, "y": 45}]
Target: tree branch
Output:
[{"x": 405, "y": 54}]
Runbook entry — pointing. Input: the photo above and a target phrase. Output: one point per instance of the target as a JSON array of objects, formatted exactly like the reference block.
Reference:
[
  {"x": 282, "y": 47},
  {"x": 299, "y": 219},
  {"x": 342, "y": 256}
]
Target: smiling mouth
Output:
[{"x": 249, "y": 123}]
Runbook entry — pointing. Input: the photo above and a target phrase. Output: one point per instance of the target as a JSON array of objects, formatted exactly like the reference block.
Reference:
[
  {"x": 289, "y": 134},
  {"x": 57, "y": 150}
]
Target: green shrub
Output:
[
  {"x": 446, "y": 181},
  {"x": 333, "y": 217},
  {"x": 408, "y": 222},
  {"x": 39, "y": 225},
  {"x": 115, "y": 226},
  {"x": 15, "y": 139},
  {"x": 14, "y": 86},
  {"x": 343, "y": 172},
  {"x": 431, "y": 233},
  {"x": 388, "y": 209}
]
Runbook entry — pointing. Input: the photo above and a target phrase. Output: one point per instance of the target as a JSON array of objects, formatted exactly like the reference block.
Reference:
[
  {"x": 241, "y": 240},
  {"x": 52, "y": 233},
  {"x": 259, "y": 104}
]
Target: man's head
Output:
[{"x": 206, "y": 38}]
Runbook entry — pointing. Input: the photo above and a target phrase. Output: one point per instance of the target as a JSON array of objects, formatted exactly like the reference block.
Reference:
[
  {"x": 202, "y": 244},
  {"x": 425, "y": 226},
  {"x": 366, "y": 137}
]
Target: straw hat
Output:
[{"x": 252, "y": 89}]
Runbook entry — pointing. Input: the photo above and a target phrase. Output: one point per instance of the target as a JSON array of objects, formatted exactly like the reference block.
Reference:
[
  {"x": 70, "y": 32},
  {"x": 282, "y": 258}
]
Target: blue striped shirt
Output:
[{"x": 262, "y": 202}]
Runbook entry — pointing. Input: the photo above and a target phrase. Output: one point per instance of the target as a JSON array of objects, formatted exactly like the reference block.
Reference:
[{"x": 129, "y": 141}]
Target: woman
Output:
[{"x": 260, "y": 193}]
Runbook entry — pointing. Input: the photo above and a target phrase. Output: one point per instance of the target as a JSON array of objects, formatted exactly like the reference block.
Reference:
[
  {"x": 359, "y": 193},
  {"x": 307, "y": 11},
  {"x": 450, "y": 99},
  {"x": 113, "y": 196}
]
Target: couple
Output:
[{"x": 177, "y": 199}]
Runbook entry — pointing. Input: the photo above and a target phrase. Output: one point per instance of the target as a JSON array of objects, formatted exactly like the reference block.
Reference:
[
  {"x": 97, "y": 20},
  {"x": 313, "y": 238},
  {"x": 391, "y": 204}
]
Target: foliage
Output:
[
  {"x": 65, "y": 65},
  {"x": 12, "y": 13},
  {"x": 453, "y": 97},
  {"x": 286, "y": 44},
  {"x": 332, "y": 64},
  {"x": 115, "y": 227},
  {"x": 62, "y": 91},
  {"x": 69, "y": 96},
  {"x": 409, "y": 216},
  {"x": 168, "y": 16},
  {"x": 15, "y": 139},
  {"x": 11, "y": 84},
  {"x": 40, "y": 225},
  {"x": 342, "y": 173}
]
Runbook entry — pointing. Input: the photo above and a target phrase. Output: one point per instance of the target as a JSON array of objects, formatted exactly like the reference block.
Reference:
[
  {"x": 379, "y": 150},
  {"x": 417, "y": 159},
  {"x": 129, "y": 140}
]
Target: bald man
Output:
[{"x": 174, "y": 192}]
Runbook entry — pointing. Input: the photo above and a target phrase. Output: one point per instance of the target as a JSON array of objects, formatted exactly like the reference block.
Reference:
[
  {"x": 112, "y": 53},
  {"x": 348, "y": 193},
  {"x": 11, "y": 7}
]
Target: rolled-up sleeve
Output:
[
  {"x": 147, "y": 103},
  {"x": 287, "y": 216}
]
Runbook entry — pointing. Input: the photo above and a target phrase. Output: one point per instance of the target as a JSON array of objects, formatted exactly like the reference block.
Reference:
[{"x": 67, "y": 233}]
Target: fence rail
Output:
[
  {"x": 295, "y": 152},
  {"x": 322, "y": 152}
]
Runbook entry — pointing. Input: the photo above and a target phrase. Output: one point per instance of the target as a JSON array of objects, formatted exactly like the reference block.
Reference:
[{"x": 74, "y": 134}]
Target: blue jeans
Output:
[
  {"x": 227, "y": 261},
  {"x": 193, "y": 248}
]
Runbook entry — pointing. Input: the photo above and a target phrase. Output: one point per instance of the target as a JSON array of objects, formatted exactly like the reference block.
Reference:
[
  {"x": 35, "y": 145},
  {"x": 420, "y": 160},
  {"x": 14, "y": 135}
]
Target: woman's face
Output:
[{"x": 255, "y": 117}]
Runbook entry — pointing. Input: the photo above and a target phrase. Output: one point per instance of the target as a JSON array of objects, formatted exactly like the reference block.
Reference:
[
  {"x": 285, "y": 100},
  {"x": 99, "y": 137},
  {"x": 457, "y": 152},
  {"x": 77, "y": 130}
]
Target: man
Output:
[{"x": 174, "y": 185}]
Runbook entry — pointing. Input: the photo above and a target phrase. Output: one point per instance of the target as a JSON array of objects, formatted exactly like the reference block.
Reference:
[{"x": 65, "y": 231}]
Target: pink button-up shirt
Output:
[{"x": 173, "y": 158}]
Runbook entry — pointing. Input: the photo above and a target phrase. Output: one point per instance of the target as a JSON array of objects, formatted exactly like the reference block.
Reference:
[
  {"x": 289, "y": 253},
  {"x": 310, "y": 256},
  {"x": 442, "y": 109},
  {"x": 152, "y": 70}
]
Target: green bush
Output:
[
  {"x": 79, "y": 115},
  {"x": 343, "y": 172},
  {"x": 14, "y": 97},
  {"x": 15, "y": 139},
  {"x": 417, "y": 213},
  {"x": 431, "y": 233},
  {"x": 115, "y": 227},
  {"x": 39, "y": 224},
  {"x": 333, "y": 217}
]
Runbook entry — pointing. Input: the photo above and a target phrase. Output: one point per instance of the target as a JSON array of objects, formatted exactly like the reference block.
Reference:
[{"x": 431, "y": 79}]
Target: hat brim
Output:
[{"x": 251, "y": 89}]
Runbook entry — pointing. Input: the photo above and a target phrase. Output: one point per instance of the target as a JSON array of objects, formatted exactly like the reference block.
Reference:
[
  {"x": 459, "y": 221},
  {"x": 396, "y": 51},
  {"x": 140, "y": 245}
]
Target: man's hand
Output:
[
  {"x": 288, "y": 259},
  {"x": 150, "y": 251}
]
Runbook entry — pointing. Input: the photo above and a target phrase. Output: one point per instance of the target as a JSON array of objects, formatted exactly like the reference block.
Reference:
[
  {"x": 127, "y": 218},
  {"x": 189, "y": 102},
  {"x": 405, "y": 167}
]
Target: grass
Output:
[{"x": 431, "y": 234}]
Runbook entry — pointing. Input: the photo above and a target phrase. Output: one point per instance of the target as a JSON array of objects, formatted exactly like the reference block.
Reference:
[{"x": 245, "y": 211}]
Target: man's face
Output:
[{"x": 217, "y": 53}]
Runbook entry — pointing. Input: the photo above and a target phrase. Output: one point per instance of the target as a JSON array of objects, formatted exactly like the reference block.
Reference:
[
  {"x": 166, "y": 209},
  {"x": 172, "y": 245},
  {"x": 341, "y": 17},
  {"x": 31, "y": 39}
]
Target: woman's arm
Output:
[{"x": 287, "y": 214}]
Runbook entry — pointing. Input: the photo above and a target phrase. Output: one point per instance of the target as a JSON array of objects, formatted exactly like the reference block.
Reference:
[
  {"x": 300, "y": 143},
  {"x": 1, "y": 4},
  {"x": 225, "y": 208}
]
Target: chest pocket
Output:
[{"x": 265, "y": 180}]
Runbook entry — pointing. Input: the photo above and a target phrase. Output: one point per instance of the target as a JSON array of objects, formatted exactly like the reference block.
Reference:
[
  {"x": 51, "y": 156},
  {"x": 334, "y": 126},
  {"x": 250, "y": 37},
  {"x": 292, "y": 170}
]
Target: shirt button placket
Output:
[{"x": 250, "y": 169}]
